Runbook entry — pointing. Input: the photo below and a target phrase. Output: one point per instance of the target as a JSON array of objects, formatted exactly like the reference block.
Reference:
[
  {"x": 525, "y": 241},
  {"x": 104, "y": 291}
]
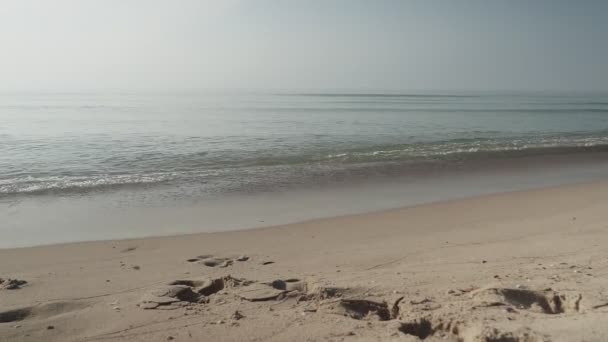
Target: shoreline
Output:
[
  {"x": 126, "y": 215},
  {"x": 377, "y": 171},
  {"x": 456, "y": 262},
  {"x": 313, "y": 221}
]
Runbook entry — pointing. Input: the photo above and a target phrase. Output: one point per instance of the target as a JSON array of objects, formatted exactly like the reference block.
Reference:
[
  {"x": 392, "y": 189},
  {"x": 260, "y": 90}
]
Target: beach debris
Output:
[
  {"x": 242, "y": 258},
  {"x": 11, "y": 284},
  {"x": 128, "y": 249},
  {"x": 267, "y": 263},
  {"x": 137, "y": 268},
  {"x": 50, "y": 327}
]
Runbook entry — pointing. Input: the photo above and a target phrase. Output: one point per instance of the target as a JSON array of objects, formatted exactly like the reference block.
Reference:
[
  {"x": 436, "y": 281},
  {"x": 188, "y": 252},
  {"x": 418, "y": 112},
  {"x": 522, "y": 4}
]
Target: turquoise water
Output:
[{"x": 201, "y": 145}]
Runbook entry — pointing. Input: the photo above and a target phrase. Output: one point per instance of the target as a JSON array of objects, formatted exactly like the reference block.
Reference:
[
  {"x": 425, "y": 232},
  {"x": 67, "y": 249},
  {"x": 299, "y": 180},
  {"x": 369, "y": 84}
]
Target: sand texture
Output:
[{"x": 515, "y": 267}]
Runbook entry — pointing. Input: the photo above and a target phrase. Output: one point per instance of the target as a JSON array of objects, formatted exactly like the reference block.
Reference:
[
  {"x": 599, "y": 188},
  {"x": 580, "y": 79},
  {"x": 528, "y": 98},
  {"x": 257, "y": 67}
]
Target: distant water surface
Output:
[{"x": 206, "y": 145}]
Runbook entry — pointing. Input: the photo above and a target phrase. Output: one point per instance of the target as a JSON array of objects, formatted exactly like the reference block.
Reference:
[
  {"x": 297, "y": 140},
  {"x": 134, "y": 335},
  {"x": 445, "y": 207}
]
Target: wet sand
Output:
[{"x": 519, "y": 266}]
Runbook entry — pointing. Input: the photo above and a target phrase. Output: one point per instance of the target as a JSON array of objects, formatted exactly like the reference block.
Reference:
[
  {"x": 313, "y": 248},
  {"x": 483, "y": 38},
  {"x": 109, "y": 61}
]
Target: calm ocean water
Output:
[{"x": 202, "y": 144}]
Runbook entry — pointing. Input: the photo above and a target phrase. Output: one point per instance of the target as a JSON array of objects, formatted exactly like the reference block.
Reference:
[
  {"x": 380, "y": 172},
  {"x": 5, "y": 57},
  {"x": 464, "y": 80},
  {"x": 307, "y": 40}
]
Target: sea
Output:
[{"x": 154, "y": 150}]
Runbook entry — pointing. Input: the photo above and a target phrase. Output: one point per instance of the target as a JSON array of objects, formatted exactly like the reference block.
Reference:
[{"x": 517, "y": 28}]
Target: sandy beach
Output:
[
  {"x": 519, "y": 266},
  {"x": 303, "y": 171}
]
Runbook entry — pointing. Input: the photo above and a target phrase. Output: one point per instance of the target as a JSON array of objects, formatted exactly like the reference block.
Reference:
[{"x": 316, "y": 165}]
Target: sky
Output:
[{"x": 72, "y": 45}]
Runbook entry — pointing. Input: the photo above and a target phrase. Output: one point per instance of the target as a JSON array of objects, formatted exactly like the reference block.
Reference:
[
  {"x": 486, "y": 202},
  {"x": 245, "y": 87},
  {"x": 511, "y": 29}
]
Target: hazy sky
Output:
[{"x": 307, "y": 44}]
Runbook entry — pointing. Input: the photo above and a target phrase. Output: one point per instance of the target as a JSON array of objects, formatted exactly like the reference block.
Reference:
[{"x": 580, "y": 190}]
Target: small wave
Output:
[
  {"x": 466, "y": 146},
  {"x": 381, "y": 95},
  {"x": 249, "y": 169},
  {"x": 43, "y": 185},
  {"x": 400, "y": 109}
]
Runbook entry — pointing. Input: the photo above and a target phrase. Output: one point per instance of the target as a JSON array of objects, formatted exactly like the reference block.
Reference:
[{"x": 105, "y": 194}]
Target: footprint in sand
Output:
[
  {"x": 291, "y": 284},
  {"x": 213, "y": 261},
  {"x": 362, "y": 309},
  {"x": 41, "y": 311},
  {"x": 11, "y": 284},
  {"x": 181, "y": 293},
  {"x": 438, "y": 328},
  {"x": 547, "y": 301}
]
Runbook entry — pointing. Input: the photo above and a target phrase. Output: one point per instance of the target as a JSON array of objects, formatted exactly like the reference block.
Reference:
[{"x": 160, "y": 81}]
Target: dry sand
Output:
[{"x": 524, "y": 266}]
